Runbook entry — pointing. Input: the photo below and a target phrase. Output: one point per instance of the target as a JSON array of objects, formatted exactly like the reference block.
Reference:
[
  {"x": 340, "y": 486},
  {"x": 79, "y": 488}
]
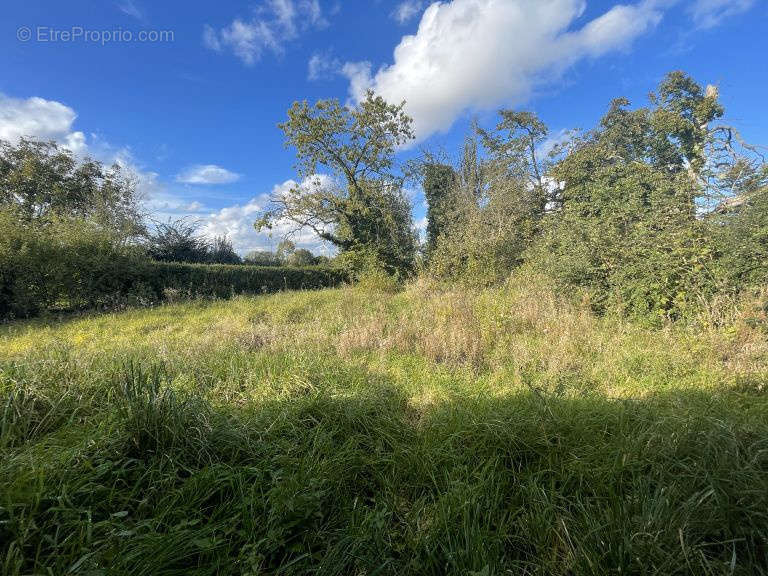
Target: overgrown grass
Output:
[{"x": 348, "y": 432}]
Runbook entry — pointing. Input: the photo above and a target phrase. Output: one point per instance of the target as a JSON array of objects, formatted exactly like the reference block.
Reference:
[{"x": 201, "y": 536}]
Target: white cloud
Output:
[
  {"x": 322, "y": 66},
  {"x": 207, "y": 174},
  {"x": 709, "y": 13},
  {"x": 41, "y": 119},
  {"x": 236, "y": 222},
  {"x": 407, "y": 10},
  {"x": 129, "y": 8},
  {"x": 480, "y": 54},
  {"x": 274, "y": 23}
]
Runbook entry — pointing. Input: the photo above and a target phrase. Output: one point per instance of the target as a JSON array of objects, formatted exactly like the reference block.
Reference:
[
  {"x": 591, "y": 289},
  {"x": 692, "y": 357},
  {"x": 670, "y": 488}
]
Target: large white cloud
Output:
[
  {"x": 479, "y": 54},
  {"x": 41, "y": 119}
]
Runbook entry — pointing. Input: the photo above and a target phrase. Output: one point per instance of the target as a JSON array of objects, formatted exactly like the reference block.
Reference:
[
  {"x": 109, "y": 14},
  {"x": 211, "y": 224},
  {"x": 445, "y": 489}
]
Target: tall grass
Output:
[{"x": 343, "y": 432}]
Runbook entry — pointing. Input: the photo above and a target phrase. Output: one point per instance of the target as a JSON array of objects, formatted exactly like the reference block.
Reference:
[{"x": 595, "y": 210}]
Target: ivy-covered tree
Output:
[
  {"x": 628, "y": 230},
  {"x": 439, "y": 183}
]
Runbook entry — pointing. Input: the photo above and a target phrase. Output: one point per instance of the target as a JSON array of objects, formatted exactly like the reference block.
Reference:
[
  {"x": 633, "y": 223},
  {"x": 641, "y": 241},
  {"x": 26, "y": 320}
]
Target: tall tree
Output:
[
  {"x": 361, "y": 205},
  {"x": 629, "y": 230}
]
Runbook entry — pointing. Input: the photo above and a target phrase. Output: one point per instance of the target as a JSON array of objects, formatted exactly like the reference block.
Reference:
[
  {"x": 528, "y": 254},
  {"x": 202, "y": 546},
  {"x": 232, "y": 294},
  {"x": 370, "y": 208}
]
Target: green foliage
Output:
[
  {"x": 740, "y": 229},
  {"x": 493, "y": 211},
  {"x": 64, "y": 264},
  {"x": 40, "y": 181},
  {"x": 221, "y": 251},
  {"x": 439, "y": 183},
  {"x": 625, "y": 227},
  {"x": 365, "y": 268},
  {"x": 628, "y": 236},
  {"x": 301, "y": 257},
  {"x": 224, "y": 281},
  {"x": 361, "y": 206},
  {"x": 180, "y": 241},
  {"x": 262, "y": 258},
  {"x": 286, "y": 255},
  {"x": 649, "y": 215},
  {"x": 70, "y": 264}
]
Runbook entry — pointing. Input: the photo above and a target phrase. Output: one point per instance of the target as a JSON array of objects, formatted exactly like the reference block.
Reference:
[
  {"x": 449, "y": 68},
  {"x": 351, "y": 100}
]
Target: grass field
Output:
[{"x": 353, "y": 432}]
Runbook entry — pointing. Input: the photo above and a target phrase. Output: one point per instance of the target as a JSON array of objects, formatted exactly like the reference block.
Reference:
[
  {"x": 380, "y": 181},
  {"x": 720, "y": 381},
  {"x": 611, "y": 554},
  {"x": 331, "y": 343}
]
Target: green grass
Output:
[{"x": 350, "y": 432}]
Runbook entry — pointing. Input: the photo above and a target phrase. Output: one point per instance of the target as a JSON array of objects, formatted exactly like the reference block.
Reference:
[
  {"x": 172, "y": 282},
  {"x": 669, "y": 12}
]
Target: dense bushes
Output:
[{"x": 649, "y": 215}]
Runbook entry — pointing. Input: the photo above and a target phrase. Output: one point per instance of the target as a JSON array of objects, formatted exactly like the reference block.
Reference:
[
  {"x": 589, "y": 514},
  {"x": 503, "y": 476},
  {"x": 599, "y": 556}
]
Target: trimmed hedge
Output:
[
  {"x": 68, "y": 265},
  {"x": 225, "y": 280},
  {"x": 64, "y": 264}
]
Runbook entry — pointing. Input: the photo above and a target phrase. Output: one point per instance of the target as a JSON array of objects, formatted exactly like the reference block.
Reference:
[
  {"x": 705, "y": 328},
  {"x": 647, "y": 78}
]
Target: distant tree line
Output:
[{"x": 286, "y": 254}]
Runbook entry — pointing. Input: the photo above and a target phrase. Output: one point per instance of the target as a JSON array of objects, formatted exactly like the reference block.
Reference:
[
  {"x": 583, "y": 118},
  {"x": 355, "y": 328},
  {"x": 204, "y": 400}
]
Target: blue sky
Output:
[{"x": 194, "y": 113}]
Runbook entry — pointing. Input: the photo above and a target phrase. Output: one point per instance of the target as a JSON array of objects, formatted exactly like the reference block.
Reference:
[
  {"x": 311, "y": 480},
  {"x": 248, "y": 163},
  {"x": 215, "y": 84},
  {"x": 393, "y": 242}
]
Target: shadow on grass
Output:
[{"x": 363, "y": 482}]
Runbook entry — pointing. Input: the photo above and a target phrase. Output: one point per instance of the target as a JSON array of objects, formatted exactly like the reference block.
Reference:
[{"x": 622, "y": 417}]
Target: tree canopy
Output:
[{"x": 358, "y": 204}]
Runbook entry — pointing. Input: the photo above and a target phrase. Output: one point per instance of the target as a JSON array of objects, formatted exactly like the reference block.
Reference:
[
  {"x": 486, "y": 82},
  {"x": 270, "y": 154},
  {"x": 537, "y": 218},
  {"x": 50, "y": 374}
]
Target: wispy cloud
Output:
[
  {"x": 129, "y": 8},
  {"x": 322, "y": 66},
  {"x": 710, "y": 13},
  {"x": 207, "y": 174},
  {"x": 272, "y": 25},
  {"x": 407, "y": 10}
]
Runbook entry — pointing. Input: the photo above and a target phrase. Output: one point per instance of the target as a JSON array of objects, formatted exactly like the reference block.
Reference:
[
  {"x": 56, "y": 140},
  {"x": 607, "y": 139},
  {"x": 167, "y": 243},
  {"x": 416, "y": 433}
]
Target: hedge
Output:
[
  {"x": 225, "y": 280},
  {"x": 71, "y": 265}
]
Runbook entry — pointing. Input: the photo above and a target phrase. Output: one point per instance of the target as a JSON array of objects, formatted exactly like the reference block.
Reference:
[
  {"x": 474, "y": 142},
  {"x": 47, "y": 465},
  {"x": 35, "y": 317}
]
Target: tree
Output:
[
  {"x": 740, "y": 228},
  {"x": 301, "y": 257},
  {"x": 514, "y": 149},
  {"x": 285, "y": 249},
  {"x": 40, "y": 181},
  {"x": 221, "y": 251},
  {"x": 439, "y": 182},
  {"x": 359, "y": 204},
  {"x": 492, "y": 209},
  {"x": 628, "y": 230},
  {"x": 262, "y": 258},
  {"x": 178, "y": 241}
]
